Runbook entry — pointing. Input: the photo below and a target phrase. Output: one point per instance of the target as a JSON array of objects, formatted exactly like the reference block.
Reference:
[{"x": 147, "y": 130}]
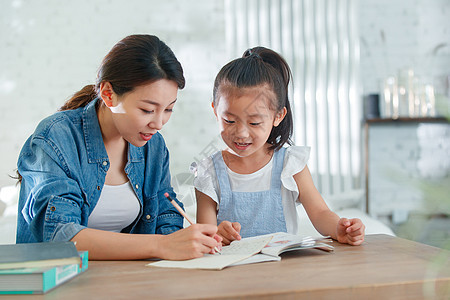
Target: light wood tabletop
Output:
[{"x": 383, "y": 267}]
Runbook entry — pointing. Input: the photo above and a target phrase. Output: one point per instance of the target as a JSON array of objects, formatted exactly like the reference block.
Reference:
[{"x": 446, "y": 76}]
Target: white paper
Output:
[
  {"x": 248, "y": 250},
  {"x": 235, "y": 252}
]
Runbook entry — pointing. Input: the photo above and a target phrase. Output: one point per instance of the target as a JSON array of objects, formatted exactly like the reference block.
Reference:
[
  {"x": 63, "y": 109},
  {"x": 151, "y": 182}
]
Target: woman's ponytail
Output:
[{"x": 80, "y": 98}]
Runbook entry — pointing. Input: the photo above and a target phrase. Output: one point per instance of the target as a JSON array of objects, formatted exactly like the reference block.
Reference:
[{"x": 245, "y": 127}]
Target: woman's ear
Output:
[
  {"x": 106, "y": 93},
  {"x": 214, "y": 108},
  {"x": 279, "y": 117}
]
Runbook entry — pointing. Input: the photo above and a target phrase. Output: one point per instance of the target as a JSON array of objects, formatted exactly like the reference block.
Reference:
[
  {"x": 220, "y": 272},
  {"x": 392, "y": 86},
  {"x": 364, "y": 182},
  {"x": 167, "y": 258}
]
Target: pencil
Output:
[{"x": 181, "y": 211}]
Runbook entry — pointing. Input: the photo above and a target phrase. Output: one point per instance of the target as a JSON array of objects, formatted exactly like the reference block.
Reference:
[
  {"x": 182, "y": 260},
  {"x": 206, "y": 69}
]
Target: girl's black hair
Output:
[
  {"x": 261, "y": 66},
  {"x": 133, "y": 61}
]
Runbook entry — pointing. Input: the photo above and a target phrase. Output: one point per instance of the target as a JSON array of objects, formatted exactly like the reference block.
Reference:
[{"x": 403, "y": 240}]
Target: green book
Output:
[
  {"x": 35, "y": 255},
  {"x": 39, "y": 280}
]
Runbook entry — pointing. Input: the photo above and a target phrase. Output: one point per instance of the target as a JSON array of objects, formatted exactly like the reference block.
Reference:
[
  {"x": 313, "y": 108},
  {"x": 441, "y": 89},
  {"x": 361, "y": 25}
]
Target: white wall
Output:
[
  {"x": 409, "y": 169},
  {"x": 50, "y": 49},
  {"x": 404, "y": 34}
]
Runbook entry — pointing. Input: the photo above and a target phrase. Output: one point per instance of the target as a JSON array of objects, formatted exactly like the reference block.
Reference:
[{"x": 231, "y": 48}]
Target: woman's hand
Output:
[
  {"x": 229, "y": 231},
  {"x": 191, "y": 242},
  {"x": 350, "y": 231}
]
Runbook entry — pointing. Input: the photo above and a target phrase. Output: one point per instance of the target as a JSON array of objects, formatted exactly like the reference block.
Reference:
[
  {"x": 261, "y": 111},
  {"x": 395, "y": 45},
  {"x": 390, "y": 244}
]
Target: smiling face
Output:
[
  {"x": 246, "y": 119},
  {"x": 139, "y": 114}
]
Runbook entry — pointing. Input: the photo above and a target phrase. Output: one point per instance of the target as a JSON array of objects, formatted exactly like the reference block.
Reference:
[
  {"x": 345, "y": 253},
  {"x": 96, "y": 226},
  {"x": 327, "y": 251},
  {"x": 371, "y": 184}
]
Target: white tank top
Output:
[{"x": 116, "y": 208}]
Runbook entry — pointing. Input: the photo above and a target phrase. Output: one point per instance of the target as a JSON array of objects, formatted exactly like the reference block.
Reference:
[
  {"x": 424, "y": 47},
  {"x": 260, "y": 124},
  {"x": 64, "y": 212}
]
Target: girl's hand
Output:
[
  {"x": 350, "y": 231},
  {"x": 218, "y": 238},
  {"x": 229, "y": 232},
  {"x": 191, "y": 242}
]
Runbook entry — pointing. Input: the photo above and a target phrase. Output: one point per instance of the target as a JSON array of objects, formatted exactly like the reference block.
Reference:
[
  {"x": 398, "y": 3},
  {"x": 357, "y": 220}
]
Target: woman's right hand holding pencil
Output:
[{"x": 191, "y": 242}]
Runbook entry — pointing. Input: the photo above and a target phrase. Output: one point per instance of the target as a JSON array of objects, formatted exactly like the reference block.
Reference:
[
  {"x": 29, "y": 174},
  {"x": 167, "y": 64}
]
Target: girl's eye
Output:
[
  {"x": 147, "y": 111},
  {"x": 169, "y": 110}
]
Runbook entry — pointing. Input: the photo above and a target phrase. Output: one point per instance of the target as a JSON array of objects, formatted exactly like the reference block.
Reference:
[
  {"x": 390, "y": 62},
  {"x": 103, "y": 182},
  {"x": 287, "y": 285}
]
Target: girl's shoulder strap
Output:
[
  {"x": 221, "y": 171},
  {"x": 280, "y": 153}
]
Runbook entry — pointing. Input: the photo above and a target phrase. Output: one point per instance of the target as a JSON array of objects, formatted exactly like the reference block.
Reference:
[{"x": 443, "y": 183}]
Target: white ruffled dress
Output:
[{"x": 295, "y": 161}]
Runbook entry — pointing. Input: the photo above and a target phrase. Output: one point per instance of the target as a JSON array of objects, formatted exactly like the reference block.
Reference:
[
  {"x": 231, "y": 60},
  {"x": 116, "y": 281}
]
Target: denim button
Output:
[
  {"x": 98, "y": 187},
  {"x": 147, "y": 217},
  {"x": 105, "y": 163},
  {"x": 137, "y": 186}
]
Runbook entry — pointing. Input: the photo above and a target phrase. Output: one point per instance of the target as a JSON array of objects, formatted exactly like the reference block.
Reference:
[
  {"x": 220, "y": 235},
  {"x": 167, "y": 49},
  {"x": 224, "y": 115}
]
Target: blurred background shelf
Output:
[
  {"x": 407, "y": 176},
  {"x": 407, "y": 120}
]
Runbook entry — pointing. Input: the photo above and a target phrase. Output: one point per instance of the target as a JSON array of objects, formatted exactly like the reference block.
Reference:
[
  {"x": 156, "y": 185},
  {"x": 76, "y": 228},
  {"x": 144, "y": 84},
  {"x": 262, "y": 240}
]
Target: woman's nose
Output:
[{"x": 156, "y": 122}]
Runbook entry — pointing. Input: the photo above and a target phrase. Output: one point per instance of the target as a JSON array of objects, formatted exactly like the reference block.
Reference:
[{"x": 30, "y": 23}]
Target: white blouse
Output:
[
  {"x": 295, "y": 161},
  {"x": 117, "y": 207}
]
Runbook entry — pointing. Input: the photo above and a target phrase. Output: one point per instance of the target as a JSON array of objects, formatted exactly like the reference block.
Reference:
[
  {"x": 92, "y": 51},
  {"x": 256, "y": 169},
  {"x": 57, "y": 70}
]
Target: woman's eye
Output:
[
  {"x": 255, "y": 124},
  {"x": 169, "y": 110},
  {"x": 147, "y": 111},
  {"x": 228, "y": 121}
]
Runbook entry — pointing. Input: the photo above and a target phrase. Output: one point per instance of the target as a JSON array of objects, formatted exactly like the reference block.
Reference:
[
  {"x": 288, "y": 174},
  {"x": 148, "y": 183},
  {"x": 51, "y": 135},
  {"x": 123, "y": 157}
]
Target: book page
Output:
[
  {"x": 282, "y": 242},
  {"x": 235, "y": 252},
  {"x": 257, "y": 258}
]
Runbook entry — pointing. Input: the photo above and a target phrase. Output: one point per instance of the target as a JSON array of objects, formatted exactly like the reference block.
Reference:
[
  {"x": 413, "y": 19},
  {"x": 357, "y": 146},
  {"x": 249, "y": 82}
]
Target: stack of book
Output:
[{"x": 36, "y": 268}]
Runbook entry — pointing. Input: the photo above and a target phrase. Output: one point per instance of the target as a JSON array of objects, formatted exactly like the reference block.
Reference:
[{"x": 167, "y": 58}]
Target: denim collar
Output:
[{"x": 94, "y": 141}]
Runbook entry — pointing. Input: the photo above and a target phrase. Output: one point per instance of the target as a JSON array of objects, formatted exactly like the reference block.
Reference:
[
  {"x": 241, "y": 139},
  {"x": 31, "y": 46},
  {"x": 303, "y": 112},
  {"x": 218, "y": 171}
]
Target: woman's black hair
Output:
[
  {"x": 133, "y": 61},
  {"x": 261, "y": 66}
]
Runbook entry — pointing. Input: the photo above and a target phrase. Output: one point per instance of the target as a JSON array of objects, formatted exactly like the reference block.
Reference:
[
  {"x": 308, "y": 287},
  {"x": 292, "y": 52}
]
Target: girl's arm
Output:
[
  {"x": 324, "y": 220},
  {"x": 207, "y": 214},
  {"x": 206, "y": 209},
  {"x": 191, "y": 242}
]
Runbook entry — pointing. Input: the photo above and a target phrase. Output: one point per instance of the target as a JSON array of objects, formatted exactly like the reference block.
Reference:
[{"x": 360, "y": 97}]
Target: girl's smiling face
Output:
[
  {"x": 139, "y": 114},
  {"x": 246, "y": 119}
]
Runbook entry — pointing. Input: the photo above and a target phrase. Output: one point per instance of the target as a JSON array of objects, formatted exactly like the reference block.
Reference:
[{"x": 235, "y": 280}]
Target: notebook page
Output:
[
  {"x": 248, "y": 246},
  {"x": 231, "y": 254}
]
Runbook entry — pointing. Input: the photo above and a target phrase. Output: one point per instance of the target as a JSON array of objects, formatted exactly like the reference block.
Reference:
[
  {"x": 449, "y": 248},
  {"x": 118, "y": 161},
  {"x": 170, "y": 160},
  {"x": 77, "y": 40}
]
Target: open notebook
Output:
[{"x": 250, "y": 250}]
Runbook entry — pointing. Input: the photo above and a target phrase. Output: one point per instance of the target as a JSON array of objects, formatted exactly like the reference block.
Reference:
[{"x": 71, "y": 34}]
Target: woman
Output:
[{"x": 96, "y": 172}]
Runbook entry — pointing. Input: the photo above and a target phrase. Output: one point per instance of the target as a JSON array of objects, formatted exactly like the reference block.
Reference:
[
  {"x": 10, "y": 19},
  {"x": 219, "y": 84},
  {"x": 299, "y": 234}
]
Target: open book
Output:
[{"x": 250, "y": 250}]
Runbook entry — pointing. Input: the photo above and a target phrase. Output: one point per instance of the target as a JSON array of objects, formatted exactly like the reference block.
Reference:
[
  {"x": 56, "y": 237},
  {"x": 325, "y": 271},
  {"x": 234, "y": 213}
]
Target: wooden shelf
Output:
[{"x": 407, "y": 120}]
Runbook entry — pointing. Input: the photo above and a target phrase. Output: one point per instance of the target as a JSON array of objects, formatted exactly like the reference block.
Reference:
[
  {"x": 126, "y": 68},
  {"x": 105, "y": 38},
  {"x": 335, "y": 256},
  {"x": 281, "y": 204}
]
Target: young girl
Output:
[
  {"x": 96, "y": 172},
  {"x": 252, "y": 187}
]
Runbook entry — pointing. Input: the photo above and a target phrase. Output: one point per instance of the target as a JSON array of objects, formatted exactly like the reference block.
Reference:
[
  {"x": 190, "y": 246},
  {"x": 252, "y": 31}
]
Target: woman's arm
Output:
[
  {"x": 324, "y": 220},
  {"x": 191, "y": 242},
  {"x": 168, "y": 220}
]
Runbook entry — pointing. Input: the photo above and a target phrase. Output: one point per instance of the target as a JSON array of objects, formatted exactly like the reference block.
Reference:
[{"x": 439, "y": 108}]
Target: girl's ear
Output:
[
  {"x": 106, "y": 93},
  {"x": 279, "y": 117}
]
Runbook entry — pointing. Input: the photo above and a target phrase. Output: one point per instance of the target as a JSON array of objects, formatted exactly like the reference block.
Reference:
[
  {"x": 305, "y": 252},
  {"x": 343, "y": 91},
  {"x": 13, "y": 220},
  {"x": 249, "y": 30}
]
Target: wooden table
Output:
[{"x": 383, "y": 267}]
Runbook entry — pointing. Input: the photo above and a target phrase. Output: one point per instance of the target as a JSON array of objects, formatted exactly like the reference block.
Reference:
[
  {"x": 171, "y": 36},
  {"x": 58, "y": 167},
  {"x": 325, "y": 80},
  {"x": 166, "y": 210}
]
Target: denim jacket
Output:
[{"x": 63, "y": 166}]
